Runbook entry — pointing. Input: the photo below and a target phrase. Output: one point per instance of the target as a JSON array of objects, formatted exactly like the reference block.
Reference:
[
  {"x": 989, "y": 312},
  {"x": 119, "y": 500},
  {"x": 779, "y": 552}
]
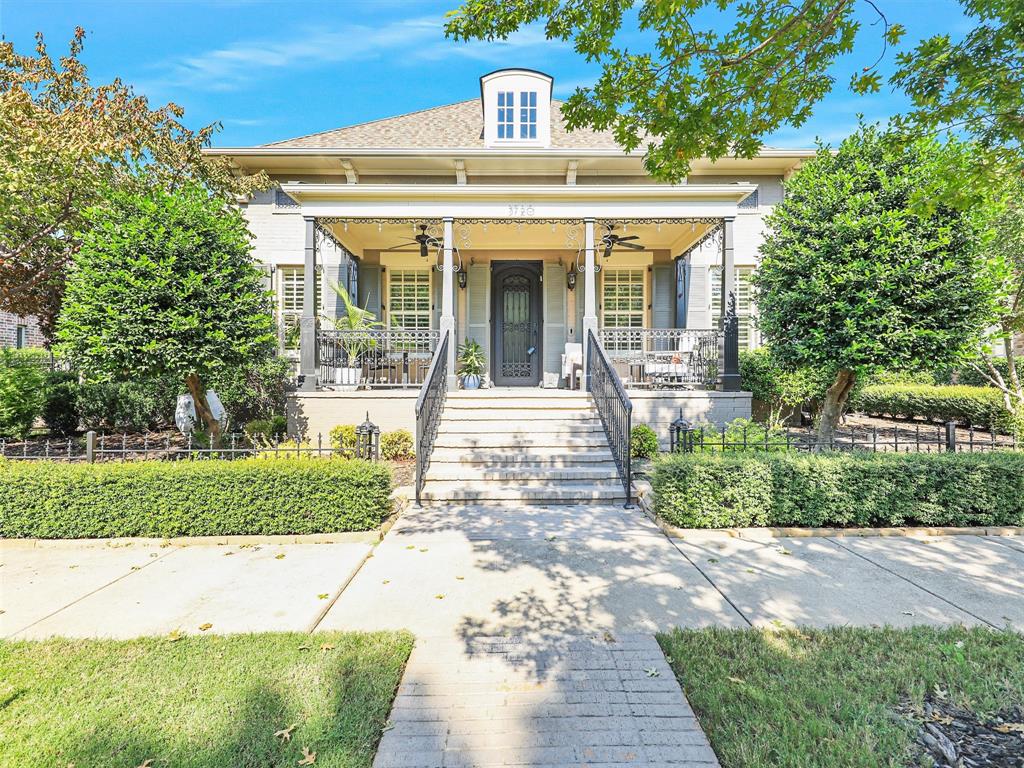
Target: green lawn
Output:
[
  {"x": 198, "y": 702},
  {"x": 812, "y": 698}
]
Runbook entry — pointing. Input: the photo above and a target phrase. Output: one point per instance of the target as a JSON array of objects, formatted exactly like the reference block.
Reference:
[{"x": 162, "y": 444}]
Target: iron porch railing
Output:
[
  {"x": 375, "y": 358},
  {"x": 429, "y": 405},
  {"x": 664, "y": 358},
  {"x": 613, "y": 406}
]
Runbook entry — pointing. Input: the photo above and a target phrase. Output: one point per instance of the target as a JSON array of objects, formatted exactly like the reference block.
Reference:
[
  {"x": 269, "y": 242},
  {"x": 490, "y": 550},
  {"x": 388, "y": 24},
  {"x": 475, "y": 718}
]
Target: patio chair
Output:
[{"x": 572, "y": 365}]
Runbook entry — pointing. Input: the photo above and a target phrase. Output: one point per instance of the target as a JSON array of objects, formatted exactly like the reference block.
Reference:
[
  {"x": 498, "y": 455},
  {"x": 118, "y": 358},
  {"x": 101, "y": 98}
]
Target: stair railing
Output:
[
  {"x": 613, "y": 406},
  {"x": 429, "y": 405}
]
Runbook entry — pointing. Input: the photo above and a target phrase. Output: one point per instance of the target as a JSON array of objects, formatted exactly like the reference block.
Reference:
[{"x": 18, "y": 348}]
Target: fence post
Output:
[
  {"x": 951, "y": 436},
  {"x": 90, "y": 447}
]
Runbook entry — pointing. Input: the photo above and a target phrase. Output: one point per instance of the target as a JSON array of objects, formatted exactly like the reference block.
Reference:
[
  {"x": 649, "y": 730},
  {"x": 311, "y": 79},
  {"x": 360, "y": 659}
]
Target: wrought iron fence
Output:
[
  {"x": 664, "y": 357},
  {"x": 429, "y": 406},
  {"x": 910, "y": 438},
  {"x": 93, "y": 447},
  {"x": 375, "y": 358},
  {"x": 613, "y": 406}
]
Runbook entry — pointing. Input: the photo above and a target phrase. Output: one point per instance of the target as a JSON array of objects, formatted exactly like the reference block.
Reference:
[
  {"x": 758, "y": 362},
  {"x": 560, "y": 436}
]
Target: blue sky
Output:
[{"x": 270, "y": 69}]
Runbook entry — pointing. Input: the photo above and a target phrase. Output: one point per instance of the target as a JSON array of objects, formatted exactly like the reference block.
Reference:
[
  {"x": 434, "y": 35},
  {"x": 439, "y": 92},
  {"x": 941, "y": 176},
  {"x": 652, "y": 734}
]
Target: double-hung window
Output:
[
  {"x": 506, "y": 115},
  {"x": 409, "y": 299},
  {"x": 744, "y": 303},
  {"x": 527, "y": 114}
]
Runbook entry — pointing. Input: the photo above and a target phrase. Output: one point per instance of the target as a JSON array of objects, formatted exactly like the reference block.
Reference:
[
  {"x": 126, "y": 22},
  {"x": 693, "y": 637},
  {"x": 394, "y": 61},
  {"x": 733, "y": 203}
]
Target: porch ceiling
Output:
[{"x": 361, "y": 236}]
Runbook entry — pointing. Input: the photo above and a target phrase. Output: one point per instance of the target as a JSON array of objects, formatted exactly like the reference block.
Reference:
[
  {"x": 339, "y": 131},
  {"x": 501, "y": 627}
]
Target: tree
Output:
[
  {"x": 163, "y": 286},
  {"x": 1005, "y": 247},
  {"x": 854, "y": 279},
  {"x": 699, "y": 92},
  {"x": 781, "y": 390},
  {"x": 64, "y": 142}
]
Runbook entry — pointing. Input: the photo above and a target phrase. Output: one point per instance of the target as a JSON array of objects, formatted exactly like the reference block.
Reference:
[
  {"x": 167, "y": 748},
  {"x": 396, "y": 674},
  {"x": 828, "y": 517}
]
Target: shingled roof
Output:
[{"x": 454, "y": 126}]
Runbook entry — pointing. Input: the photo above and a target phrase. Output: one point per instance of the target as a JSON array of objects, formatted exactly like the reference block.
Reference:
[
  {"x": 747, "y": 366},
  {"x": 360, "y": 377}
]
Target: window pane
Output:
[{"x": 409, "y": 299}]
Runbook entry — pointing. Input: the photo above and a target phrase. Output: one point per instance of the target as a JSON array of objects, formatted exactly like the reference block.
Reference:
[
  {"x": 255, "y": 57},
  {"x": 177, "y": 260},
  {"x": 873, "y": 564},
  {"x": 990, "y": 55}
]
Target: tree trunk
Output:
[
  {"x": 198, "y": 393},
  {"x": 832, "y": 408}
]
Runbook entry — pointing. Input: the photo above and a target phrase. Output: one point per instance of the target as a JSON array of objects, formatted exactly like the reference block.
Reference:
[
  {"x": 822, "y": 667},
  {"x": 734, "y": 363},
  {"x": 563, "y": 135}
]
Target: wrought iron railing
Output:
[
  {"x": 429, "y": 405},
  {"x": 613, "y": 406},
  {"x": 375, "y": 358},
  {"x": 664, "y": 357}
]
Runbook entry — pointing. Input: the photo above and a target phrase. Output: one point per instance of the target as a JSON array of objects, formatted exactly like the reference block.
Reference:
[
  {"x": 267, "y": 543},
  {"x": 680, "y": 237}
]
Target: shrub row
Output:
[
  {"x": 191, "y": 498},
  {"x": 973, "y": 406},
  {"x": 840, "y": 489}
]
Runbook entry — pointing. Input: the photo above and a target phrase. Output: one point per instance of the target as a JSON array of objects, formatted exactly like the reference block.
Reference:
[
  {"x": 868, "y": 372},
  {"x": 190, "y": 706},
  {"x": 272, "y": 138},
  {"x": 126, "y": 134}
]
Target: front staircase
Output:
[{"x": 531, "y": 446}]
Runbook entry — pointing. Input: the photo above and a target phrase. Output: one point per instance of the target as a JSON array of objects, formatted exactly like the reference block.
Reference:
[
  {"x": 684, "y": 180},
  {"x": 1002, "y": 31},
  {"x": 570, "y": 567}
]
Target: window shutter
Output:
[
  {"x": 699, "y": 301},
  {"x": 331, "y": 302},
  {"x": 478, "y": 307},
  {"x": 435, "y": 298},
  {"x": 554, "y": 317},
  {"x": 663, "y": 296},
  {"x": 368, "y": 281}
]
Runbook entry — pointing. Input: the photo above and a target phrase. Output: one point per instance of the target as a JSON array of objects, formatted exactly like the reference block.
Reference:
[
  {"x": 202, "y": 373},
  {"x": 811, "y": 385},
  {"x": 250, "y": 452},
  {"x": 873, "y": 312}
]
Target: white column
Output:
[
  {"x": 589, "y": 292},
  {"x": 308, "y": 363},
  {"x": 447, "y": 322}
]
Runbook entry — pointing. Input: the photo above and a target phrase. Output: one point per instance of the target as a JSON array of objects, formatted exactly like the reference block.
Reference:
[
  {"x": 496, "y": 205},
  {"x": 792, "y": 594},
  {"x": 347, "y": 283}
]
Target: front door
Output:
[{"x": 516, "y": 323}]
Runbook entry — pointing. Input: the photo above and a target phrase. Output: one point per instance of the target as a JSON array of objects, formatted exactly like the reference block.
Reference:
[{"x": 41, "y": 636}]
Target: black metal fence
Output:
[
  {"x": 429, "y": 406},
  {"x": 613, "y": 406},
  {"x": 910, "y": 438},
  {"x": 375, "y": 358},
  {"x": 93, "y": 447},
  {"x": 664, "y": 358}
]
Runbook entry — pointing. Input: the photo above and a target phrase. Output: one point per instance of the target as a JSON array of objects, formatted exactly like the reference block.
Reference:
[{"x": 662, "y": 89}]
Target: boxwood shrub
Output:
[
  {"x": 973, "y": 406},
  {"x": 839, "y": 489},
  {"x": 191, "y": 498}
]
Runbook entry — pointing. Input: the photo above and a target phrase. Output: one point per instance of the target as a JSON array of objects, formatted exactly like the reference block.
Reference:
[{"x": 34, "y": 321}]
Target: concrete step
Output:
[
  {"x": 603, "y": 491},
  {"x": 555, "y": 405},
  {"x": 519, "y": 413},
  {"x": 518, "y": 442},
  {"x": 518, "y": 427},
  {"x": 517, "y": 393},
  {"x": 532, "y": 457},
  {"x": 531, "y": 476}
]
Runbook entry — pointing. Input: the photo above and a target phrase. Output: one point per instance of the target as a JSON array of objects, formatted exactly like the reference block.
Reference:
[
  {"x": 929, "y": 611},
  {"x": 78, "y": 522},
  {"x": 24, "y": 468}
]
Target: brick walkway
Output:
[{"x": 568, "y": 701}]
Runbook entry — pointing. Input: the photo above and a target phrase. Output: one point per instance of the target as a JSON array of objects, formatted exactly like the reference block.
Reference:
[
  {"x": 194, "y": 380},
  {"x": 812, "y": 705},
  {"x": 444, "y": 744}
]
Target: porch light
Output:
[
  {"x": 368, "y": 440},
  {"x": 571, "y": 278},
  {"x": 462, "y": 279},
  {"x": 681, "y": 435}
]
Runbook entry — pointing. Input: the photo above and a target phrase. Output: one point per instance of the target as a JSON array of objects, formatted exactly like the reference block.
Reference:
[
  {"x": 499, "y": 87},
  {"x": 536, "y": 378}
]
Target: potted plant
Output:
[
  {"x": 356, "y": 322},
  {"x": 471, "y": 364}
]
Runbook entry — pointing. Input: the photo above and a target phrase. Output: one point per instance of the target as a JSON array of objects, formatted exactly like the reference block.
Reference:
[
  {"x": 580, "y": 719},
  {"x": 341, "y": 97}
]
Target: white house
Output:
[{"x": 488, "y": 220}]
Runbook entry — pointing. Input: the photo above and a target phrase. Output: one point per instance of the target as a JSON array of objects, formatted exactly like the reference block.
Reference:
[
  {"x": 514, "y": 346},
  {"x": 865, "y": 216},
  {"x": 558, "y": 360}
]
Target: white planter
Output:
[{"x": 348, "y": 377}]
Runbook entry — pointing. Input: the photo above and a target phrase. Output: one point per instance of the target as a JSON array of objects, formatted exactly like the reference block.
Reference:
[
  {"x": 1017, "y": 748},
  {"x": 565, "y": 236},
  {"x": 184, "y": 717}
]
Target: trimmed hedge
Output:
[
  {"x": 973, "y": 406},
  {"x": 839, "y": 489},
  {"x": 191, "y": 498}
]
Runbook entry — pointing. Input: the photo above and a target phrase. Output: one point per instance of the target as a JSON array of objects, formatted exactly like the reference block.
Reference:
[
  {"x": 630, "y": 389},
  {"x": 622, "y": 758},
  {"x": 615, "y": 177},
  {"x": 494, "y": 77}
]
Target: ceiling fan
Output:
[
  {"x": 611, "y": 241},
  {"x": 424, "y": 241}
]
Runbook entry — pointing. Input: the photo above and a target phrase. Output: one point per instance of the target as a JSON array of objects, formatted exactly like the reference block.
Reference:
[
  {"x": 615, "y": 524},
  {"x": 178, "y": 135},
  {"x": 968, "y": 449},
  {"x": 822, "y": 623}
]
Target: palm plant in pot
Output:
[
  {"x": 356, "y": 323},
  {"x": 471, "y": 364}
]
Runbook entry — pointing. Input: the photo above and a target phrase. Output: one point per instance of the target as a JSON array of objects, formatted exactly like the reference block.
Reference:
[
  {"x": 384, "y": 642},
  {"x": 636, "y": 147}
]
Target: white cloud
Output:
[{"x": 403, "y": 41}]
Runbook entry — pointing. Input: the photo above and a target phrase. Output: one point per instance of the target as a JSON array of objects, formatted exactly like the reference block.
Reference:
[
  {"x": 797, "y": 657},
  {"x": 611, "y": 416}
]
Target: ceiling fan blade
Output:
[
  {"x": 608, "y": 249},
  {"x": 634, "y": 246},
  {"x": 423, "y": 248},
  {"x": 401, "y": 247},
  {"x": 630, "y": 237}
]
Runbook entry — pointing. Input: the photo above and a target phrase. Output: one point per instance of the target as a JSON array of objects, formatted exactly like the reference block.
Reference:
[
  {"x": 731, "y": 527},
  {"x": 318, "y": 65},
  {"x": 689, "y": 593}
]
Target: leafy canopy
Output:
[
  {"x": 164, "y": 285},
  {"x": 698, "y": 91},
  {"x": 852, "y": 277},
  {"x": 64, "y": 142}
]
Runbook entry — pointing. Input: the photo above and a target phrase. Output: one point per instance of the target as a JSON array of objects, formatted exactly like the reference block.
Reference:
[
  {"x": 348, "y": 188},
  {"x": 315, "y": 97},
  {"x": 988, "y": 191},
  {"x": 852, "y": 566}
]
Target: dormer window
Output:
[
  {"x": 527, "y": 114},
  {"x": 506, "y": 115}
]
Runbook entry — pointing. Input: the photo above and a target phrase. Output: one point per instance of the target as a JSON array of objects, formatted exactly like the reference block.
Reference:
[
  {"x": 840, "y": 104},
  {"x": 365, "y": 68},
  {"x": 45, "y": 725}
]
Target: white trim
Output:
[{"x": 469, "y": 152}]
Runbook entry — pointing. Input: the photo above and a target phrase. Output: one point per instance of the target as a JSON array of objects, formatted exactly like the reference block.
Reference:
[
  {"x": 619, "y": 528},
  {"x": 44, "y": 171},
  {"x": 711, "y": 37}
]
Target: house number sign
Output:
[{"x": 521, "y": 211}]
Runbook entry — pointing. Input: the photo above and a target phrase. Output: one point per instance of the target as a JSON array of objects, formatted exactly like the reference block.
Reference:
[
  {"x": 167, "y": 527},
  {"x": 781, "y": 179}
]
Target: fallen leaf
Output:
[
  {"x": 72, "y": 567},
  {"x": 608, "y": 637},
  {"x": 460, "y": 578},
  {"x": 784, "y": 551},
  {"x": 550, "y": 537},
  {"x": 326, "y": 647},
  {"x": 206, "y": 626},
  {"x": 1009, "y": 728},
  {"x": 386, "y": 581},
  {"x": 439, "y": 597},
  {"x": 323, "y": 595},
  {"x": 423, "y": 549},
  {"x": 145, "y": 763},
  {"x": 712, "y": 559},
  {"x": 228, "y": 553},
  {"x": 751, "y": 570},
  {"x": 652, "y": 672},
  {"x": 175, "y": 635},
  {"x": 279, "y": 557},
  {"x": 943, "y": 719},
  {"x": 285, "y": 734},
  {"x": 304, "y": 647},
  {"x": 908, "y": 613},
  {"x": 411, "y": 546},
  {"x": 737, "y": 680},
  {"x": 308, "y": 758}
]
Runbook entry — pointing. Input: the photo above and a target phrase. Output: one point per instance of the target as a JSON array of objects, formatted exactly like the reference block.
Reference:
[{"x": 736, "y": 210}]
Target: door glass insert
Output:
[{"x": 517, "y": 330}]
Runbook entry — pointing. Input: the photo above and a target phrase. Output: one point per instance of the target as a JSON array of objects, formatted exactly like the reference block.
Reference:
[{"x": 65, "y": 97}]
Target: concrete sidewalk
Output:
[{"x": 98, "y": 590}]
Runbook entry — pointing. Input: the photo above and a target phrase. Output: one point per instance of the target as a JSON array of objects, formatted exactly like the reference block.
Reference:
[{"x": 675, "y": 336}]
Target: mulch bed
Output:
[{"x": 955, "y": 737}]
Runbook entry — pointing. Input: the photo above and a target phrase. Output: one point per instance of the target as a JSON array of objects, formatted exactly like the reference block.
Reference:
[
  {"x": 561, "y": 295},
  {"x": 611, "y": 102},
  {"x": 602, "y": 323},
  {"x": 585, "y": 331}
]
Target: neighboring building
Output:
[
  {"x": 487, "y": 218},
  {"x": 19, "y": 332}
]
